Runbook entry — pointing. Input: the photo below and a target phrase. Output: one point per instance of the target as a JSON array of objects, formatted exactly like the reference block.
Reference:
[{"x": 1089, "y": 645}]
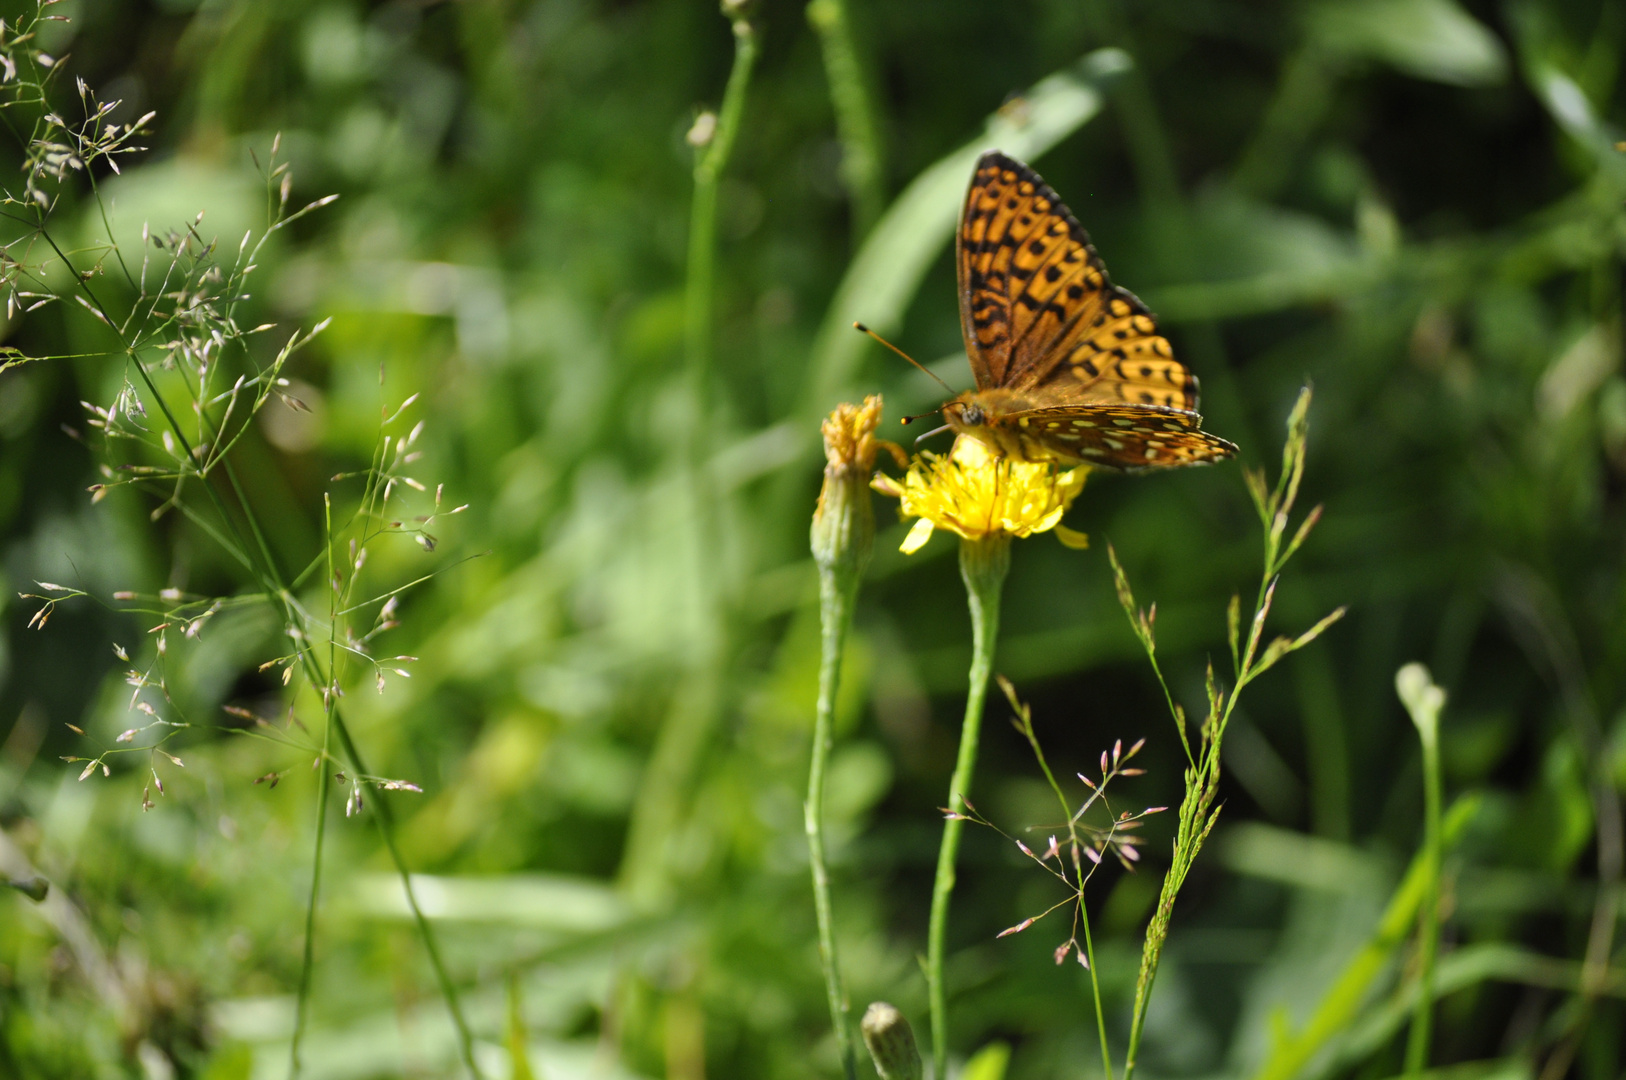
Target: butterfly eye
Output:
[{"x": 971, "y": 415}]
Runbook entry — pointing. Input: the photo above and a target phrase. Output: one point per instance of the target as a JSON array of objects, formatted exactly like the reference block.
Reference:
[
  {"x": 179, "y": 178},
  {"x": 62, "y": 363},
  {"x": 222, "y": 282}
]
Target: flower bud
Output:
[
  {"x": 844, "y": 521},
  {"x": 891, "y": 1042},
  {"x": 1422, "y": 698}
]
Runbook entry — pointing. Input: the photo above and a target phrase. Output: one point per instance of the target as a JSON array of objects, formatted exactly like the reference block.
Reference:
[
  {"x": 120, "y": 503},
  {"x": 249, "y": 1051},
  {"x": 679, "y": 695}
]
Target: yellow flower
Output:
[{"x": 976, "y": 494}]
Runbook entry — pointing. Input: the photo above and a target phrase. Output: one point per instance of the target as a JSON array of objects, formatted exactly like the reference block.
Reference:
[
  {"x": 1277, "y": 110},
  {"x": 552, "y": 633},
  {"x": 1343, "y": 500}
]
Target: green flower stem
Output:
[
  {"x": 712, "y": 159},
  {"x": 688, "y": 727},
  {"x": 835, "y": 612},
  {"x": 1417, "y": 1042},
  {"x": 855, "y": 113},
  {"x": 983, "y": 564}
]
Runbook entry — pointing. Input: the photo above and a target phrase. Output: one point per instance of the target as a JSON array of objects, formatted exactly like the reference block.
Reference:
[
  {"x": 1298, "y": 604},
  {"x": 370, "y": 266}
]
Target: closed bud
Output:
[
  {"x": 891, "y": 1042},
  {"x": 844, "y": 521}
]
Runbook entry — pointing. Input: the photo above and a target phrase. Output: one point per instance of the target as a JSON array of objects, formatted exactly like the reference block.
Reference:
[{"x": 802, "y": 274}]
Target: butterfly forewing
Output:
[
  {"x": 1026, "y": 272},
  {"x": 1042, "y": 320}
]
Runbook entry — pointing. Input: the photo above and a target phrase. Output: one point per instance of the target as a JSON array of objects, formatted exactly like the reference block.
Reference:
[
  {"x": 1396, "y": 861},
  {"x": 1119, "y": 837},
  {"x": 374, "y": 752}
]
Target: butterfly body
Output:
[{"x": 1069, "y": 367}]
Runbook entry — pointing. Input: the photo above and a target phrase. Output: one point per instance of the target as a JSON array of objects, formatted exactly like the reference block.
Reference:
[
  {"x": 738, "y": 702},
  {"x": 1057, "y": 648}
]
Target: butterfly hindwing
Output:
[{"x": 1125, "y": 437}]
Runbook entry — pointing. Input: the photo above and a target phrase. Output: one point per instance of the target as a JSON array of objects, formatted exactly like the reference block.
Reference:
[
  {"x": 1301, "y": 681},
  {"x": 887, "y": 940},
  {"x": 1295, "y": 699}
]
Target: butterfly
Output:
[{"x": 1069, "y": 367}]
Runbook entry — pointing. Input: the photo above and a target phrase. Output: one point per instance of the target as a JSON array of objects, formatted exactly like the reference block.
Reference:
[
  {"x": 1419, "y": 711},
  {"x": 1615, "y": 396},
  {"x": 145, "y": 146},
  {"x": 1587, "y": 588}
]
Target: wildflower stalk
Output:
[
  {"x": 983, "y": 564},
  {"x": 684, "y": 733},
  {"x": 715, "y": 146},
  {"x": 842, "y": 539},
  {"x": 1424, "y": 700},
  {"x": 835, "y": 613},
  {"x": 985, "y": 499},
  {"x": 855, "y": 113}
]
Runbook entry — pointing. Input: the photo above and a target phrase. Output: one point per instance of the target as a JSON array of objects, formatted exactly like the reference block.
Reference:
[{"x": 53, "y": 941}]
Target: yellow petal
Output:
[
  {"x": 918, "y": 535},
  {"x": 886, "y": 485},
  {"x": 1073, "y": 539}
]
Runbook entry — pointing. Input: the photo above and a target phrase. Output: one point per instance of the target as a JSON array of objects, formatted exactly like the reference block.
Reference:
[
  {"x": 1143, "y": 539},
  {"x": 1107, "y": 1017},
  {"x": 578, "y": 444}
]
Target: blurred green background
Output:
[{"x": 1414, "y": 204}]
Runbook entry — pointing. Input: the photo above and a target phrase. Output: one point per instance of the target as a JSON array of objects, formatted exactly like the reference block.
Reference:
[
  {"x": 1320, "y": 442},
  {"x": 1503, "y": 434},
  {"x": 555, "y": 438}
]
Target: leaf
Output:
[
  {"x": 989, "y": 1063},
  {"x": 1429, "y": 39},
  {"x": 519, "y": 1062}
]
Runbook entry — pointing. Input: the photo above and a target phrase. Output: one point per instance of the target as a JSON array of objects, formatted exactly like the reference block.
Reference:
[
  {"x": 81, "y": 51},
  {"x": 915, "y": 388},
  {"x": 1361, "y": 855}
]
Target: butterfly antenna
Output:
[{"x": 862, "y": 329}]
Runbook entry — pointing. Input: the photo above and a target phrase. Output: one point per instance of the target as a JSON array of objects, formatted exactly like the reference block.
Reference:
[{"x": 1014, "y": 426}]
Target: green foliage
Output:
[{"x": 1414, "y": 204}]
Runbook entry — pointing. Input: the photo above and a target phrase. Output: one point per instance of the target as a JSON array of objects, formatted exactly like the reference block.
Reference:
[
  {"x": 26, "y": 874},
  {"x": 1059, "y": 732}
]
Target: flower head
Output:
[
  {"x": 849, "y": 437},
  {"x": 843, "y": 523},
  {"x": 975, "y": 494}
]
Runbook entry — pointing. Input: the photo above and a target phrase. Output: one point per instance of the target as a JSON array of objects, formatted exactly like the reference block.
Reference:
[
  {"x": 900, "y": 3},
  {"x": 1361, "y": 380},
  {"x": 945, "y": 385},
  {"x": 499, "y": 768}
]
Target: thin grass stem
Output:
[
  {"x": 271, "y": 584},
  {"x": 307, "y": 961},
  {"x": 1198, "y": 814},
  {"x": 1083, "y": 911}
]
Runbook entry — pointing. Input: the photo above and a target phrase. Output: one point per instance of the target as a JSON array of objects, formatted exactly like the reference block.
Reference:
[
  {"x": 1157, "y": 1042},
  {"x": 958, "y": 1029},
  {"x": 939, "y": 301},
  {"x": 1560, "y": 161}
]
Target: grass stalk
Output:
[
  {"x": 1025, "y": 724},
  {"x": 983, "y": 564},
  {"x": 835, "y": 612},
  {"x": 855, "y": 113},
  {"x": 1198, "y": 812},
  {"x": 307, "y": 963},
  {"x": 271, "y": 583}
]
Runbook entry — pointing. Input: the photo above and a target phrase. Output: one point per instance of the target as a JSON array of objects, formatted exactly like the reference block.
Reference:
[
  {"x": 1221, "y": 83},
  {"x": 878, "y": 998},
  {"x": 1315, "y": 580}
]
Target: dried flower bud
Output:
[
  {"x": 844, "y": 521},
  {"x": 891, "y": 1042}
]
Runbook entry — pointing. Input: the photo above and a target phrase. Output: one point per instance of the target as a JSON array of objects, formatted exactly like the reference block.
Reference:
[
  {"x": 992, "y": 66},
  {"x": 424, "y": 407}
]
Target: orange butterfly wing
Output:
[{"x": 1041, "y": 318}]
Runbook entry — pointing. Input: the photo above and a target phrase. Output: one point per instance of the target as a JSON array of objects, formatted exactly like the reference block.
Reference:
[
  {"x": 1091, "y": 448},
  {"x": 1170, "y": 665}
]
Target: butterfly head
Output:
[
  {"x": 978, "y": 411},
  {"x": 981, "y": 414}
]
